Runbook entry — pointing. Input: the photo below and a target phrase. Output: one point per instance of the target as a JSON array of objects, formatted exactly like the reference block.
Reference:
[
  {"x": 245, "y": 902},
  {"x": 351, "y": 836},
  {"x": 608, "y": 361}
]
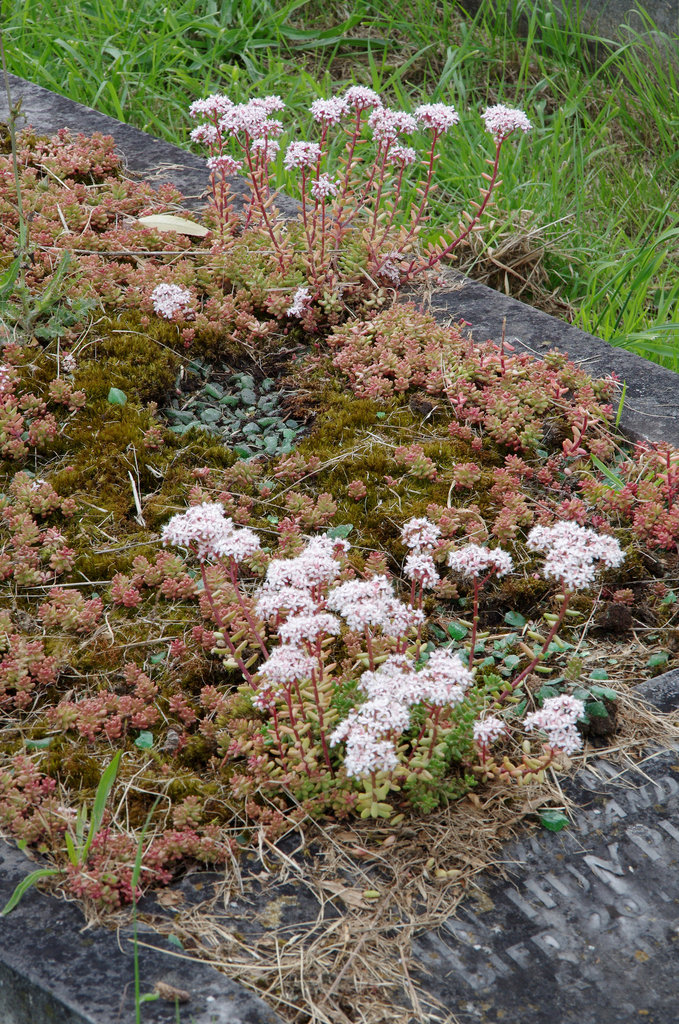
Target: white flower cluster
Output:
[
  {"x": 204, "y": 529},
  {"x": 386, "y": 124},
  {"x": 402, "y": 155},
  {"x": 212, "y": 106},
  {"x": 420, "y": 534},
  {"x": 294, "y": 587},
  {"x": 225, "y": 163},
  {"x": 229, "y": 118},
  {"x": 6, "y": 377},
  {"x": 269, "y": 148},
  {"x": 300, "y": 299},
  {"x": 169, "y": 300},
  {"x": 360, "y": 97},
  {"x": 372, "y": 604},
  {"x": 437, "y": 116},
  {"x": 489, "y": 729},
  {"x": 301, "y": 154},
  {"x": 557, "y": 717},
  {"x": 473, "y": 559},
  {"x": 330, "y": 111},
  {"x": 421, "y": 568},
  {"x": 371, "y": 730},
  {"x": 572, "y": 551},
  {"x": 501, "y": 121},
  {"x": 252, "y": 118},
  {"x": 323, "y": 186}
]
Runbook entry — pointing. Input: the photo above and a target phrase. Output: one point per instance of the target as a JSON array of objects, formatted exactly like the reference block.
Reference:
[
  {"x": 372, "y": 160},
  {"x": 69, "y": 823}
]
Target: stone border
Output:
[
  {"x": 47, "y": 962},
  {"x": 53, "y": 969},
  {"x": 612, "y": 17}
]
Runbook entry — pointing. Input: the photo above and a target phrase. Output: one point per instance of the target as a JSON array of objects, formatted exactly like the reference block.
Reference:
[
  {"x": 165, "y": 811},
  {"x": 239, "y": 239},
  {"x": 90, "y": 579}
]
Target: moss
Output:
[{"x": 139, "y": 362}]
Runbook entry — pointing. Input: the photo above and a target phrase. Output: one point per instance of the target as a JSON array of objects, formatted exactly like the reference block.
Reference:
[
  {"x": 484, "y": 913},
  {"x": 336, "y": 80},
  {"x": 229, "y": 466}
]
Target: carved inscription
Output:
[{"x": 601, "y": 896}]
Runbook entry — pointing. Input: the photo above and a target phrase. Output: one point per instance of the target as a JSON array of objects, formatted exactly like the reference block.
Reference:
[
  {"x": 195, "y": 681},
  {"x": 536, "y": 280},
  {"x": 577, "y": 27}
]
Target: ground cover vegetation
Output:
[
  {"x": 282, "y": 555},
  {"x": 589, "y": 229}
]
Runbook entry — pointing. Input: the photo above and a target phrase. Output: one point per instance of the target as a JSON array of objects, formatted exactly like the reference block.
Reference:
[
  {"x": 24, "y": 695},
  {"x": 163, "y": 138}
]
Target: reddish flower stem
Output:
[{"x": 223, "y": 628}]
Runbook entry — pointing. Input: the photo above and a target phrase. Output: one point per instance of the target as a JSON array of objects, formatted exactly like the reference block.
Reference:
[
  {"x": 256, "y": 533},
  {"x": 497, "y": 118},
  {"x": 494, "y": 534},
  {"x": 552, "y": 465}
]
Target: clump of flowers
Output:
[
  {"x": 345, "y": 202},
  {"x": 171, "y": 301},
  {"x": 350, "y": 730}
]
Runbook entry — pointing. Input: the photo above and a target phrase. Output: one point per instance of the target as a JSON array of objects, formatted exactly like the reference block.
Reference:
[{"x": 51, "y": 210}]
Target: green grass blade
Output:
[
  {"x": 23, "y": 887},
  {"x": 104, "y": 788}
]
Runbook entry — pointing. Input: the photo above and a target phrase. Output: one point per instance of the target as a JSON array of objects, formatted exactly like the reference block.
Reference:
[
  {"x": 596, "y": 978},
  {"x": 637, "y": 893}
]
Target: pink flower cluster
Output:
[
  {"x": 572, "y": 551},
  {"x": 501, "y": 121},
  {"x": 204, "y": 529},
  {"x": 557, "y": 717},
  {"x": 437, "y": 116}
]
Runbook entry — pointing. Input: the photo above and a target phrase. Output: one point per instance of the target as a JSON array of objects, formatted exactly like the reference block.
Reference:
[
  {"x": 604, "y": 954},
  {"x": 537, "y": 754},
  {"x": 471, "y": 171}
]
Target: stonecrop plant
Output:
[
  {"x": 403, "y": 713},
  {"x": 357, "y": 219},
  {"x": 366, "y": 489}
]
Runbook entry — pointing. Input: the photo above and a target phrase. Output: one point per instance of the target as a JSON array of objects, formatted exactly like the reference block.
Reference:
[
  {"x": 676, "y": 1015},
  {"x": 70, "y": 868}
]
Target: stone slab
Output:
[
  {"x": 609, "y": 19},
  {"x": 53, "y": 969},
  {"x": 584, "y": 928}
]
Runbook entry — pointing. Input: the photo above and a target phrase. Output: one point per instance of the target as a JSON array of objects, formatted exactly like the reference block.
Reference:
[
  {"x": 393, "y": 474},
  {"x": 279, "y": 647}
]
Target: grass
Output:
[{"x": 591, "y": 204}]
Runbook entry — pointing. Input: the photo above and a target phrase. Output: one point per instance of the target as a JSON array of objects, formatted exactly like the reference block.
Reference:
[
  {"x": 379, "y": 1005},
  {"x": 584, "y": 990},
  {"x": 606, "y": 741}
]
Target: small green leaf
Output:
[
  {"x": 340, "y": 531},
  {"x": 144, "y": 740},
  {"x": 658, "y": 659},
  {"x": 512, "y": 660},
  {"x": 41, "y": 744},
  {"x": 155, "y": 659},
  {"x": 381, "y": 415},
  {"x": 175, "y": 940},
  {"x": 613, "y": 479},
  {"x": 553, "y": 821},
  {"x": 545, "y": 692},
  {"x": 515, "y": 619},
  {"x": 604, "y": 692},
  {"x": 149, "y": 997},
  {"x": 599, "y": 673},
  {"x": 456, "y": 631},
  {"x": 596, "y": 709},
  {"x": 116, "y": 396}
]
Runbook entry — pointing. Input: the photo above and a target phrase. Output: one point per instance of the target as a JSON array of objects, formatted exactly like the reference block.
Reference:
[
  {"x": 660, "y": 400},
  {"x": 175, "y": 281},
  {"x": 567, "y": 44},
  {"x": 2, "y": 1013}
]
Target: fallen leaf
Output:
[{"x": 169, "y": 222}]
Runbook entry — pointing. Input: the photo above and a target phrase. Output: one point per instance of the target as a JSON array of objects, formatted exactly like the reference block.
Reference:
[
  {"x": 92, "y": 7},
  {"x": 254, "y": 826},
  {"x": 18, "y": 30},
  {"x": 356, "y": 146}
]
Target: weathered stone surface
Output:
[
  {"x": 611, "y": 18},
  {"x": 584, "y": 929},
  {"x": 52, "y": 970}
]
